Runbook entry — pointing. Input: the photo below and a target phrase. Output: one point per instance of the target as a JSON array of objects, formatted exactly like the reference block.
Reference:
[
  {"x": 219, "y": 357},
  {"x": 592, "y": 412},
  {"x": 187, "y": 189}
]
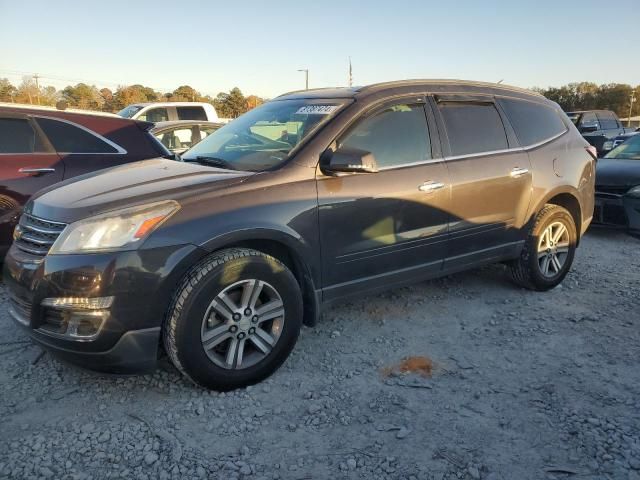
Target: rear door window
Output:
[
  {"x": 16, "y": 136},
  {"x": 607, "y": 121},
  {"x": 191, "y": 113},
  {"x": 69, "y": 138},
  {"x": 473, "y": 127},
  {"x": 154, "y": 115},
  {"x": 396, "y": 136},
  {"x": 532, "y": 122}
]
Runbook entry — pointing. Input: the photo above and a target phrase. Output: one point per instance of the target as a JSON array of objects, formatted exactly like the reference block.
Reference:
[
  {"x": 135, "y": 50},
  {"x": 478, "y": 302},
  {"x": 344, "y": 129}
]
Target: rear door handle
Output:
[
  {"x": 36, "y": 171},
  {"x": 430, "y": 186},
  {"x": 518, "y": 172}
]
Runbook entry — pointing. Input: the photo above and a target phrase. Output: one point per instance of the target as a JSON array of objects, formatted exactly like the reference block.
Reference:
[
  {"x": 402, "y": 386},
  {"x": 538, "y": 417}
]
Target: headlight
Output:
[
  {"x": 117, "y": 230},
  {"x": 608, "y": 145},
  {"x": 634, "y": 192}
]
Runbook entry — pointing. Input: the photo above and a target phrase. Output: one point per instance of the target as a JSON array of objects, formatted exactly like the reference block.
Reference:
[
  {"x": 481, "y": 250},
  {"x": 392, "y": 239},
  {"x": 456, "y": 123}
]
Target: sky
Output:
[{"x": 258, "y": 46}]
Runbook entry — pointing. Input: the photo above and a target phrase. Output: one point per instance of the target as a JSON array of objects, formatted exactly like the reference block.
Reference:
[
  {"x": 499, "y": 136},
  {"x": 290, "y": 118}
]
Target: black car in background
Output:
[
  {"x": 179, "y": 136},
  {"x": 614, "y": 142},
  {"x": 598, "y": 126},
  {"x": 618, "y": 187},
  {"x": 312, "y": 197}
]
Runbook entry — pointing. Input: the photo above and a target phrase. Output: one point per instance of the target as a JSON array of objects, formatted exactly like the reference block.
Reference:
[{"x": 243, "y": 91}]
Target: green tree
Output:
[
  {"x": 7, "y": 90},
  {"x": 185, "y": 93},
  {"x": 230, "y": 105},
  {"x": 83, "y": 96},
  {"x": 127, "y": 95}
]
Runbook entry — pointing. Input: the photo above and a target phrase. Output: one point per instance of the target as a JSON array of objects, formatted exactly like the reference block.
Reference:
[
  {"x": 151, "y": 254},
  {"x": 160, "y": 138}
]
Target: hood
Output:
[
  {"x": 611, "y": 172},
  {"x": 128, "y": 185}
]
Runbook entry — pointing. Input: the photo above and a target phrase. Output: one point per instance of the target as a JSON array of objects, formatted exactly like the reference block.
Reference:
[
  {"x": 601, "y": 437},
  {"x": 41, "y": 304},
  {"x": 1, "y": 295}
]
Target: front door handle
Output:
[
  {"x": 430, "y": 186},
  {"x": 518, "y": 172},
  {"x": 36, "y": 171}
]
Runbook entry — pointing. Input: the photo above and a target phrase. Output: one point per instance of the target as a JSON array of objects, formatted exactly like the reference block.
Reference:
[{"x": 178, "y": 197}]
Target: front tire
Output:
[
  {"x": 548, "y": 252},
  {"x": 234, "y": 319}
]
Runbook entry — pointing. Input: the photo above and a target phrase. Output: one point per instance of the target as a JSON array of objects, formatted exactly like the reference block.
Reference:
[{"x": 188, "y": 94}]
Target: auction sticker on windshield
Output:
[{"x": 317, "y": 109}]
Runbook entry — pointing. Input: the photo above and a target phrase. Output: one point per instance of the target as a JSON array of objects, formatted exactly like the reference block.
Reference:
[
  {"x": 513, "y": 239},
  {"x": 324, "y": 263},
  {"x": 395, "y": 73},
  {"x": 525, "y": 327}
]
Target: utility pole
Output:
[
  {"x": 36, "y": 77},
  {"x": 350, "y": 73},
  {"x": 306, "y": 77},
  {"x": 631, "y": 100}
]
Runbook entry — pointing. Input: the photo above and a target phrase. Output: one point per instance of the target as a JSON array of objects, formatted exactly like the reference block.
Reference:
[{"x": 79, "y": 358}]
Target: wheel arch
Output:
[
  {"x": 566, "y": 198},
  {"x": 289, "y": 250}
]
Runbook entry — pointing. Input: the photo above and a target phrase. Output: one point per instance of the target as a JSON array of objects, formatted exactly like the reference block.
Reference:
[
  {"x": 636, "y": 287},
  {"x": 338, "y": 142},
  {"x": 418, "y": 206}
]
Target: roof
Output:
[
  {"x": 54, "y": 109},
  {"x": 185, "y": 123},
  {"x": 432, "y": 86},
  {"x": 170, "y": 104}
]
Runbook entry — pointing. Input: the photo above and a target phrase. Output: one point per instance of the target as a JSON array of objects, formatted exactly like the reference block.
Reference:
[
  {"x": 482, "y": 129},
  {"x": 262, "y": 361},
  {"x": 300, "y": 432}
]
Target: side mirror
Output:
[
  {"x": 347, "y": 160},
  {"x": 588, "y": 128}
]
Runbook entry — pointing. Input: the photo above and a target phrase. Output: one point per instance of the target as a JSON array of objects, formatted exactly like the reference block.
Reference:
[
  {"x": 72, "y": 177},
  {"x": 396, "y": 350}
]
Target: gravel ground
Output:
[{"x": 525, "y": 386}]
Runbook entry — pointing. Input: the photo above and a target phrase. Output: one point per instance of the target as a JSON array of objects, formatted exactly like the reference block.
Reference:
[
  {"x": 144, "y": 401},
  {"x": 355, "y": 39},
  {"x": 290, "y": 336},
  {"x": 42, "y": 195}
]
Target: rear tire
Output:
[
  {"x": 234, "y": 319},
  {"x": 548, "y": 252}
]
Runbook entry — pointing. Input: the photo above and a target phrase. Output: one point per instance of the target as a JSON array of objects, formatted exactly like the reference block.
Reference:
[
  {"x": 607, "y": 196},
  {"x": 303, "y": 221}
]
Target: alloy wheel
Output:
[
  {"x": 553, "y": 249},
  {"x": 242, "y": 324}
]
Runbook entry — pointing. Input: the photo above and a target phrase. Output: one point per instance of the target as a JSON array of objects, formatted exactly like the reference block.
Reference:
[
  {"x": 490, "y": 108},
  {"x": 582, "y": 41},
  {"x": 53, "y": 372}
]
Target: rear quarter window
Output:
[
  {"x": 532, "y": 122},
  {"x": 68, "y": 138},
  {"x": 191, "y": 113},
  {"x": 473, "y": 127}
]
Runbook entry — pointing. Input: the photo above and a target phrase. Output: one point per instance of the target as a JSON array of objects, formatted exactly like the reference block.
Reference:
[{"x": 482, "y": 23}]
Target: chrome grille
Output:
[{"x": 35, "y": 235}]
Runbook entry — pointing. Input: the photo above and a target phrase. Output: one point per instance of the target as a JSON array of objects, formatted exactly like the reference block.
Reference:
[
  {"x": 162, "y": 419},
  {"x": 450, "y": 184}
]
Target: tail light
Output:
[{"x": 592, "y": 151}]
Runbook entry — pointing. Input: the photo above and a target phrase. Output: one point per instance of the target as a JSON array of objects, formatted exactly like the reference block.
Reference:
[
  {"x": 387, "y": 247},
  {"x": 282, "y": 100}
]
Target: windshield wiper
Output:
[{"x": 212, "y": 161}]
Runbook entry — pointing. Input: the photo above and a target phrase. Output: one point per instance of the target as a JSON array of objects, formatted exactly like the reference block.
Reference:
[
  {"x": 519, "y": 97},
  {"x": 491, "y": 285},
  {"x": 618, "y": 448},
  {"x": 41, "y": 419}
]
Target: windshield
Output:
[
  {"x": 263, "y": 137},
  {"x": 629, "y": 150},
  {"x": 130, "y": 111}
]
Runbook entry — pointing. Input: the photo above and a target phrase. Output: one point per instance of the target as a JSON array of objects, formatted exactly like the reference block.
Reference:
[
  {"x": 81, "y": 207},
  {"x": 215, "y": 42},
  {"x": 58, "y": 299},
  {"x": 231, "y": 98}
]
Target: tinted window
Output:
[
  {"x": 68, "y": 138},
  {"x": 532, "y": 122},
  {"x": 16, "y": 136},
  {"x": 155, "y": 115},
  {"x": 191, "y": 113},
  {"x": 589, "y": 120},
  {"x": 607, "y": 120},
  {"x": 473, "y": 127},
  {"x": 396, "y": 136}
]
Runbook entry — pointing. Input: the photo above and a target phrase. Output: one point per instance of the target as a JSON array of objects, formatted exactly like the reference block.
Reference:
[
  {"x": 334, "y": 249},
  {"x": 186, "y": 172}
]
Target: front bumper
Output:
[
  {"x": 142, "y": 283},
  {"x": 618, "y": 211}
]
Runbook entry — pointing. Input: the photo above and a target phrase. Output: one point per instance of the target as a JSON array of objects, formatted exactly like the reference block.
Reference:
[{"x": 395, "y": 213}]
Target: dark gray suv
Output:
[{"x": 310, "y": 198}]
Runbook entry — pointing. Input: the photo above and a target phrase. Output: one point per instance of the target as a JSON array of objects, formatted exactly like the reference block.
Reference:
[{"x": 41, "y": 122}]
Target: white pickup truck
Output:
[{"x": 170, "y": 111}]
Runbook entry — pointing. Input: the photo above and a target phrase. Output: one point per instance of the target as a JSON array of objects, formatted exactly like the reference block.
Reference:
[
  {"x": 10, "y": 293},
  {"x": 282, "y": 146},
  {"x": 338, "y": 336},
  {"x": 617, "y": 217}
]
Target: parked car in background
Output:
[
  {"x": 598, "y": 126},
  {"x": 315, "y": 196},
  {"x": 618, "y": 187},
  {"x": 613, "y": 143},
  {"x": 170, "y": 111},
  {"x": 39, "y": 147},
  {"x": 180, "y": 136}
]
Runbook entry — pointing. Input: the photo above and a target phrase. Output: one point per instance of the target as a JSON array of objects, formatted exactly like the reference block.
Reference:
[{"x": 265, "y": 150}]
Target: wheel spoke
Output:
[
  {"x": 557, "y": 266},
  {"x": 216, "y": 340},
  {"x": 263, "y": 335},
  {"x": 227, "y": 302},
  {"x": 250, "y": 293},
  {"x": 562, "y": 249},
  {"x": 240, "y": 353},
  {"x": 545, "y": 265},
  {"x": 273, "y": 309},
  {"x": 231, "y": 352},
  {"x": 260, "y": 345},
  {"x": 561, "y": 230}
]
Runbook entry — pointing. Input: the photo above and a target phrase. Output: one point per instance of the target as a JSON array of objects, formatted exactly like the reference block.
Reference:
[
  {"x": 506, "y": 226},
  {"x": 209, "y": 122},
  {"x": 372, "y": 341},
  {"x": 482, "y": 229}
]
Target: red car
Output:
[{"x": 39, "y": 147}]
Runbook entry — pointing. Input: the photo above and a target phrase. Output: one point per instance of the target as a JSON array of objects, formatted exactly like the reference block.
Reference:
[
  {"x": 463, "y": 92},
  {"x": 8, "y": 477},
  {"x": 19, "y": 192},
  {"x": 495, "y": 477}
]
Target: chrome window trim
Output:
[
  {"x": 119, "y": 149},
  {"x": 411, "y": 164}
]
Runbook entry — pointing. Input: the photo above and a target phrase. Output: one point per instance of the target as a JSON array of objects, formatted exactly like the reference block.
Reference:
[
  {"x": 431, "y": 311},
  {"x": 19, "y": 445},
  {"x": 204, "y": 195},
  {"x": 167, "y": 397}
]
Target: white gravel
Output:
[{"x": 525, "y": 386}]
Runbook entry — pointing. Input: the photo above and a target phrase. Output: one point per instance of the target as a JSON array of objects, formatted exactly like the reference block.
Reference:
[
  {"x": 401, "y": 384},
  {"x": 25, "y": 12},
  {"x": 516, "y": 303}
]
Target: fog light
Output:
[
  {"x": 78, "y": 303},
  {"x": 75, "y": 318}
]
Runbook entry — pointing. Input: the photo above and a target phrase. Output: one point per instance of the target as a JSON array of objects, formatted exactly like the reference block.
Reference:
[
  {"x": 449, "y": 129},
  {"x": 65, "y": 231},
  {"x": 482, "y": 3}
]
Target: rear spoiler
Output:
[{"x": 144, "y": 126}]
